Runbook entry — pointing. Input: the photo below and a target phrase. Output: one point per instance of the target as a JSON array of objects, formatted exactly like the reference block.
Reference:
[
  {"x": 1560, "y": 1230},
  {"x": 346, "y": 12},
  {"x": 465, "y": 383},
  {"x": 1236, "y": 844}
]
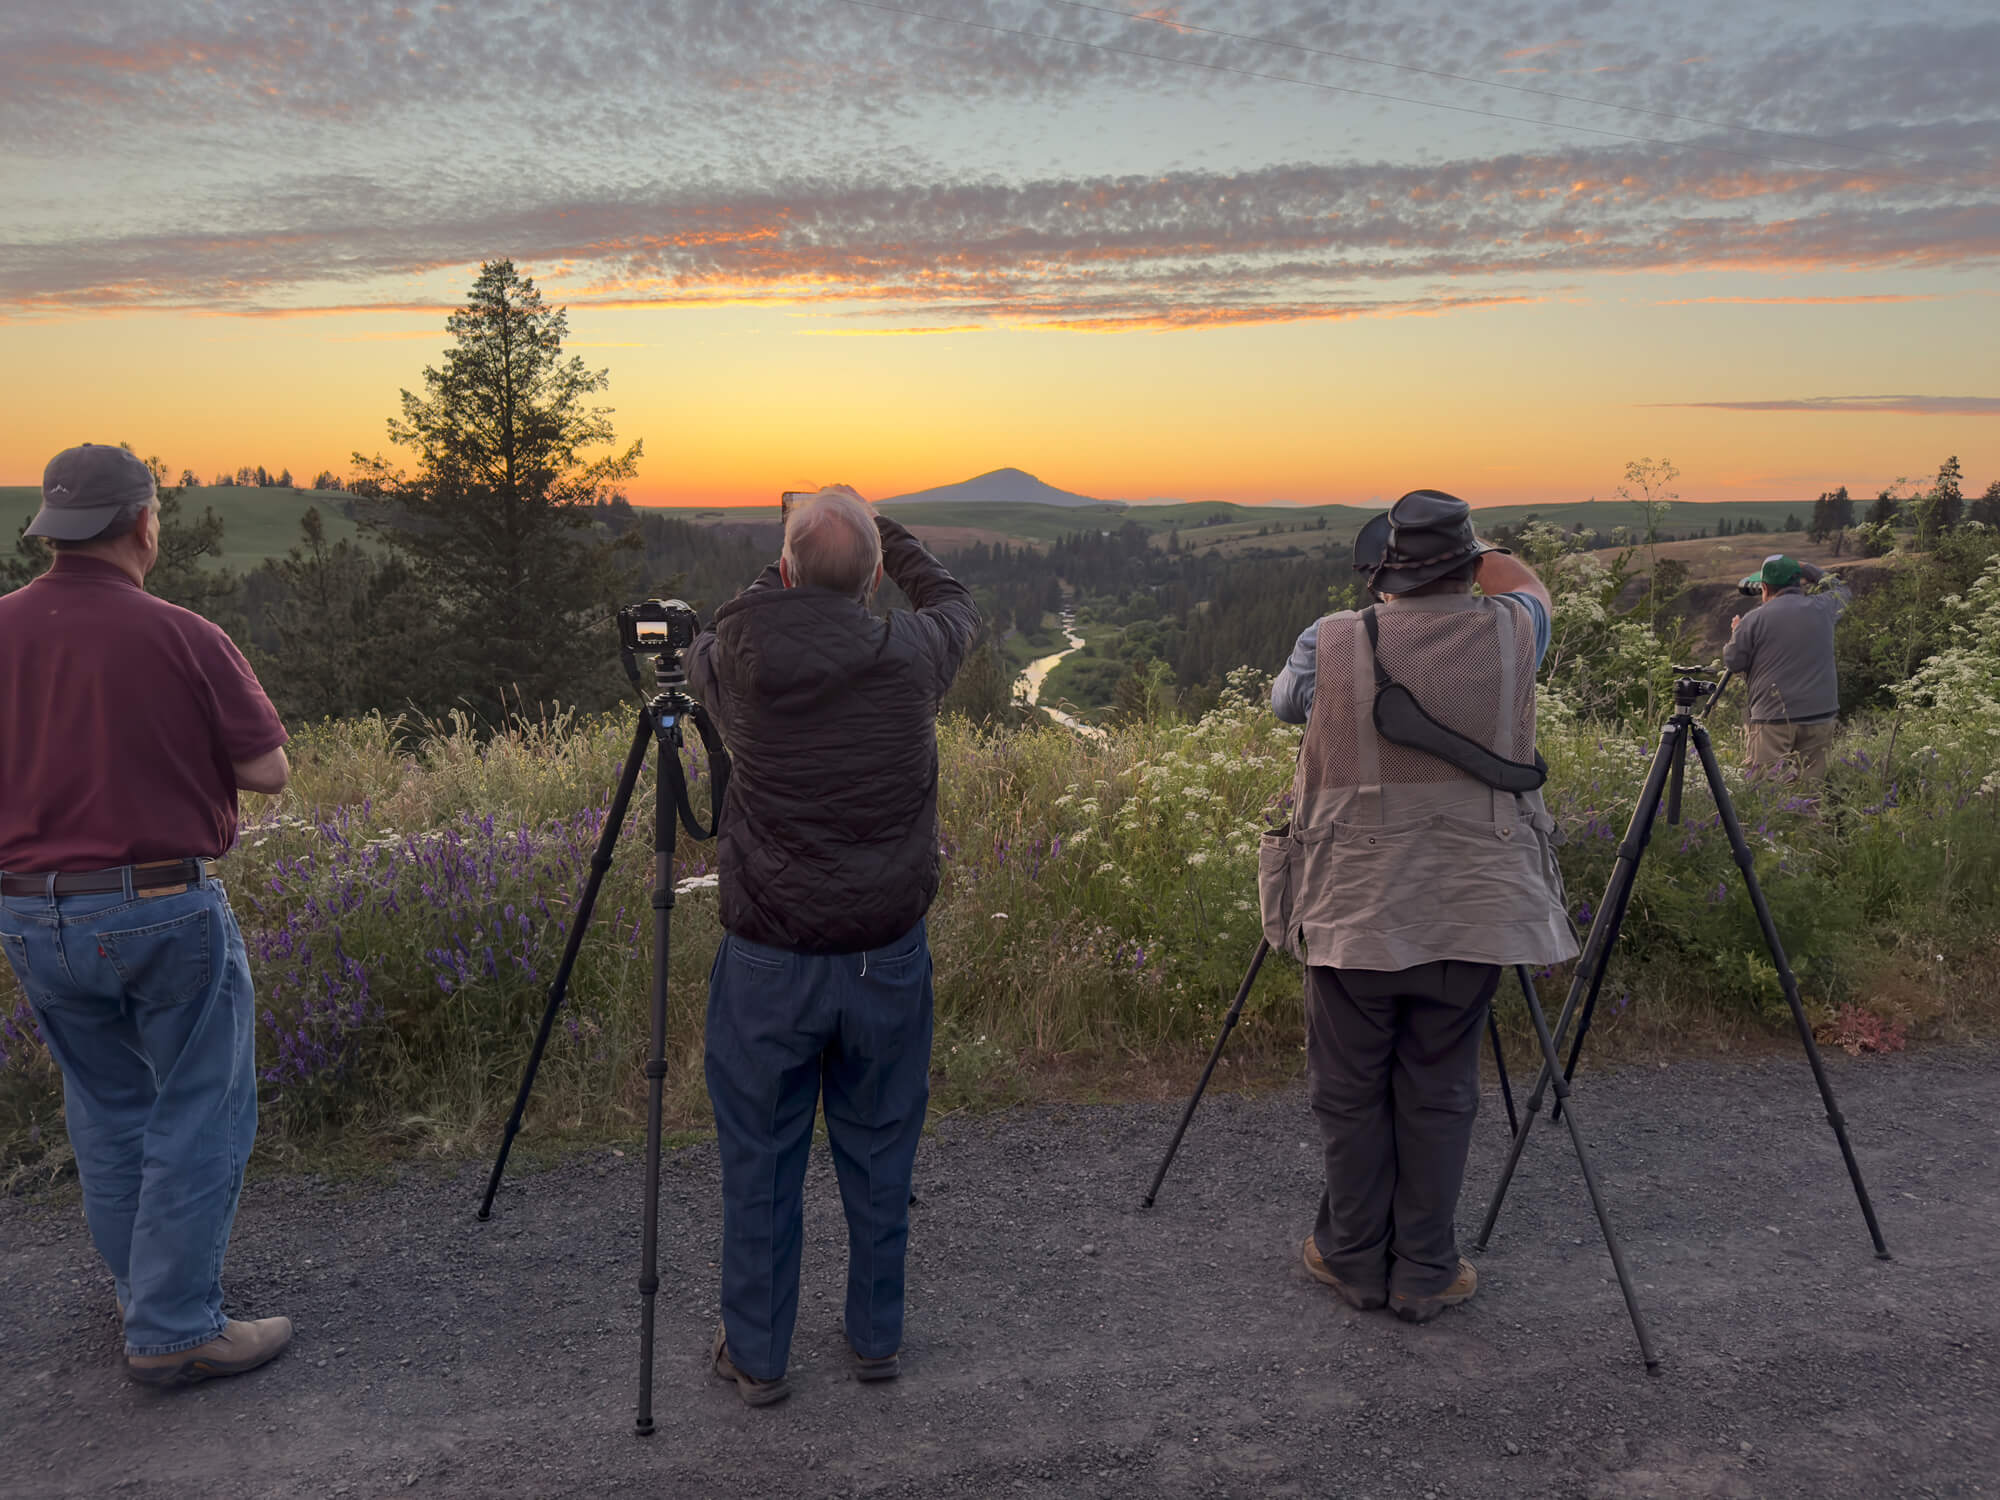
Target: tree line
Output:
[
  {"x": 488, "y": 568},
  {"x": 256, "y": 476}
]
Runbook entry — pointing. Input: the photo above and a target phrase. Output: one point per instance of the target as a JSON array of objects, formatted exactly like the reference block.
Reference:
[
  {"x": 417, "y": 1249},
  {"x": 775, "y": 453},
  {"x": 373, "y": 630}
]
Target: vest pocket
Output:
[{"x": 1276, "y": 887}]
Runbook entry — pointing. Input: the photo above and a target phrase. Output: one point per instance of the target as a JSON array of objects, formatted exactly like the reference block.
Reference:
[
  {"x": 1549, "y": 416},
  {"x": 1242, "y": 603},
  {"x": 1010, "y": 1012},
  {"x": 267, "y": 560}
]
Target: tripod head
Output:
[{"x": 1691, "y": 686}]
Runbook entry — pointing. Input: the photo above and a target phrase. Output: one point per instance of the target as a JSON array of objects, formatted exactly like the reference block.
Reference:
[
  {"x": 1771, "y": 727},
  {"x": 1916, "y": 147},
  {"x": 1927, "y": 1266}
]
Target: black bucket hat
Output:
[{"x": 1416, "y": 541}]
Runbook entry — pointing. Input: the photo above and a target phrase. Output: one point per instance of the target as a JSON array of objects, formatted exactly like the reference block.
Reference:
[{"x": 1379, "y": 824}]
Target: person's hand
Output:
[{"x": 1734, "y": 621}]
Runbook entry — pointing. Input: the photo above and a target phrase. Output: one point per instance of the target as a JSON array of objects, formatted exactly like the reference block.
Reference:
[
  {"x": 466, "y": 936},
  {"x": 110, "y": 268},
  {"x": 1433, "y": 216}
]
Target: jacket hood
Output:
[{"x": 797, "y": 647}]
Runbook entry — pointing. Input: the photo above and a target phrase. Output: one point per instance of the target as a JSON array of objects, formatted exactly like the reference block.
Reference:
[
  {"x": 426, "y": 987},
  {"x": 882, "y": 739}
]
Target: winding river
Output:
[{"x": 1029, "y": 685}]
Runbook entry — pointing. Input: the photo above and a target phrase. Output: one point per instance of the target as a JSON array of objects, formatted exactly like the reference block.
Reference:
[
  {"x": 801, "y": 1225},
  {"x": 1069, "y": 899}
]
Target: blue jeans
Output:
[
  {"x": 781, "y": 1026},
  {"x": 145, "y": 1004}
]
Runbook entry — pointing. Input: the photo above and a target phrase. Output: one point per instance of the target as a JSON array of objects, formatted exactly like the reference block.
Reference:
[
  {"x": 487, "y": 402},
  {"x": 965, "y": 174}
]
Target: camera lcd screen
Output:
[{"x": 790, "y": 498}]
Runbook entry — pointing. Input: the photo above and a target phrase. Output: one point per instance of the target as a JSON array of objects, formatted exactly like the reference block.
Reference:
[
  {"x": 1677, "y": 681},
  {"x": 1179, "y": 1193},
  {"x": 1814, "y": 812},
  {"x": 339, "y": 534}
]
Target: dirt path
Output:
[{"x": 1064, "y": 1343}]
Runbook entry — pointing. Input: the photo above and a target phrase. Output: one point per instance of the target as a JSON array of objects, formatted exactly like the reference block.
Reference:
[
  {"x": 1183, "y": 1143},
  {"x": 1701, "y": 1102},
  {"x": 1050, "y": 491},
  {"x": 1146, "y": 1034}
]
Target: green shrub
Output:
[{"x": 405, "y": 907}]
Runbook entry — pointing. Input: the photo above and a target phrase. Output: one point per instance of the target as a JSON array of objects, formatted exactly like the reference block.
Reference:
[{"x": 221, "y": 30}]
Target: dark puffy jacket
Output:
[{"x": 829, "y": 838}]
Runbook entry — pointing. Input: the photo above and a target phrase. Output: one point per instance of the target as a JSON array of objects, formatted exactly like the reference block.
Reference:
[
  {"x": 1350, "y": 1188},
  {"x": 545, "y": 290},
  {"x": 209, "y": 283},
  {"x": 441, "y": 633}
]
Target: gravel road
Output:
[{"x": 1064, "y": 1342}]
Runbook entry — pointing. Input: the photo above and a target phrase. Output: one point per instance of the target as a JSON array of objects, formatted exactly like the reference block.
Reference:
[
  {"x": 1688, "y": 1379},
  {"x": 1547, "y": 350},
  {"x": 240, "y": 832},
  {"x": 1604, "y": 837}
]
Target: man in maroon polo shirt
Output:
[{"x": 127, "y": 725}]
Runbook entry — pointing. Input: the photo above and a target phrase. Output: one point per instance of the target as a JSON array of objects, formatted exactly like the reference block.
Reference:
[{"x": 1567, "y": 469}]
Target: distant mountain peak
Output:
[{"x": 999, "y": 487}]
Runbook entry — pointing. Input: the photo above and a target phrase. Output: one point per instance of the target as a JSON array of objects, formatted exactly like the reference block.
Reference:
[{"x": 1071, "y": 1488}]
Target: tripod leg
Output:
[
  {"x": 1548, "y": 1046},
  {"x": 1674, "y": 786},
  {"x": 599, "y": 863},
  {"x": 1500, "y": 1066},
  {"x": 1744, "y": 862},
  {"x": 1228, "y": 1025},
  {"x": 1676, "y": 736},
  {"x": 1589, "y": 976},
  {"x": 665, "y": 834}
]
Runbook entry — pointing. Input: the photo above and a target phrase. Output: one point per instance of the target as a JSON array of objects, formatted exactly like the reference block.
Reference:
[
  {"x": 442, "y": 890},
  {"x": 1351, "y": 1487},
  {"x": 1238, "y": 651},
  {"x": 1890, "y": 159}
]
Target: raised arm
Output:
[
  {"x": 941, "y": 602},
  {"x": 1504, "y": 573},
  {"x": 1831, "y": 585}
]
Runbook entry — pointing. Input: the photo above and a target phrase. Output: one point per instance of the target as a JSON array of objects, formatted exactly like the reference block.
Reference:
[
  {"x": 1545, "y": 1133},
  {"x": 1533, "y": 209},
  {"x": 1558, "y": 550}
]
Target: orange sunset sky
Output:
[{"x": 1255, "y": 250}]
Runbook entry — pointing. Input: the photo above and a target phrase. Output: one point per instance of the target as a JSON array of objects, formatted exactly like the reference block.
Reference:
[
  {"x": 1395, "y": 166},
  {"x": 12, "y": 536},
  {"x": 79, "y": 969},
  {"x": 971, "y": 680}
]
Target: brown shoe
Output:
[
  {"x": 888, "y": 1367},
  {"x": 239, "y": 1347},
  {"x": 1423, "y": 1309},
  {"x": 1363, "y": 1301},
  {"x": 754, "y": 1392}
]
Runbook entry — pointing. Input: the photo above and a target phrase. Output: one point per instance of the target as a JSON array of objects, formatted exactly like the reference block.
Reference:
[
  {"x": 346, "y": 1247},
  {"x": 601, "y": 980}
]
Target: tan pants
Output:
[{"x": 1794, "y": 751}]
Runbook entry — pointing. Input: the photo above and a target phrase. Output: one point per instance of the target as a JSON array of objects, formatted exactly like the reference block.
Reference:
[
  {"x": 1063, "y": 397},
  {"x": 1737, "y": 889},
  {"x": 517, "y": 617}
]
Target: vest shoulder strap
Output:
[{"x": 1401, "y": 720}]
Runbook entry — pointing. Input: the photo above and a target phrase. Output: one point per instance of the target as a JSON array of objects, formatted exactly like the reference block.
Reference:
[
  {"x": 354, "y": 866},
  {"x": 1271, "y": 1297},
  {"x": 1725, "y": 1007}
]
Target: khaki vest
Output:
[{"x": 1395, "y": 858}]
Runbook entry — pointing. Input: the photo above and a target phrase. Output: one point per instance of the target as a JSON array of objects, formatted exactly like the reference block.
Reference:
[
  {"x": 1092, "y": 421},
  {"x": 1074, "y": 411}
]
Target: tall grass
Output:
[{"x": 405, "y": 910}]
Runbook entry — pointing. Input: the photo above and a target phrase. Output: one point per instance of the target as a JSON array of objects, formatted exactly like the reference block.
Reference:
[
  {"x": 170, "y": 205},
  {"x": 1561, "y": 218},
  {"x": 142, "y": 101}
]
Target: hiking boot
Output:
[
  {"x": 1423, "y": 1309},
  {"x": 239, "y": 1347},
  {"x": 754, "y": 1392},
  {"x": 888, "y": 1367},
  {"x": 1359, "y": 1300}
]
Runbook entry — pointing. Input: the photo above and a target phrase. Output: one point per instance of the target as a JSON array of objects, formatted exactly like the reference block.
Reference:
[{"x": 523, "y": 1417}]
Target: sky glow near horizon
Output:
[{"x": 832, "y": 240}]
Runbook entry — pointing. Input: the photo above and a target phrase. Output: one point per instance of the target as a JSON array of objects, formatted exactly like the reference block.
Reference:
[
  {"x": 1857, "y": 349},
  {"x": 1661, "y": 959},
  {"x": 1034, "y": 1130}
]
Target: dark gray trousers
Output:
[{"x": 1393, "y": 1060}]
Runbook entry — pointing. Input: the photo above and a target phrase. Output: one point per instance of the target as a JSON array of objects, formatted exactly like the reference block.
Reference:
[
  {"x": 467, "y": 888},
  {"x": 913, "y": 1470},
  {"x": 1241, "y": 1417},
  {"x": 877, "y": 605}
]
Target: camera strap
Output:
[
  {"x": 718, "y": 778},
  {"x": 1401, "y": 720}
]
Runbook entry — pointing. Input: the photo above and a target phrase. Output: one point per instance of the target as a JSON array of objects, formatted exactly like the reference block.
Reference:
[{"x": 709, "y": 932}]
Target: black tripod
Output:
[
  {"x": 1664, "y": 780},
  {"x": 661, "y": 717},
  {"x": 1229, "y": 1024}
]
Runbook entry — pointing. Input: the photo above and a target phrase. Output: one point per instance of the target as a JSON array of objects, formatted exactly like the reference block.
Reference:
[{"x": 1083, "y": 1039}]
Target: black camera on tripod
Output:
[
  {"x": 660, "y": 628},
  {"x": 663, "y": 627}
]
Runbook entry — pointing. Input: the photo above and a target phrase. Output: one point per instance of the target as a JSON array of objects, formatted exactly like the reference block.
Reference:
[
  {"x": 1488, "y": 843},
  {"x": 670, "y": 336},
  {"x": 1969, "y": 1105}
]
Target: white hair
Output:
[{"x": 831, "y": 543}]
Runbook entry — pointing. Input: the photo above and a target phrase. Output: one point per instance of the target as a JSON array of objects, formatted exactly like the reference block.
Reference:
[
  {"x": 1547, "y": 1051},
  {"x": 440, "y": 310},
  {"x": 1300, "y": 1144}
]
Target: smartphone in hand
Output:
[{"x": 790, "y": 498}]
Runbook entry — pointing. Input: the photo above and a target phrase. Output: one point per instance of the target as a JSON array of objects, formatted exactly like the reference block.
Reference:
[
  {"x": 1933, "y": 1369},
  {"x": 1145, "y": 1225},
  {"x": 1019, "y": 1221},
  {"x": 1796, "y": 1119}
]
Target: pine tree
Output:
[
  {"x": 497, "y": 520},
  {"x": 1949, "y": 494},
  {"x": 1986, "y": 509},
  {"x": 352, "y": 635}
]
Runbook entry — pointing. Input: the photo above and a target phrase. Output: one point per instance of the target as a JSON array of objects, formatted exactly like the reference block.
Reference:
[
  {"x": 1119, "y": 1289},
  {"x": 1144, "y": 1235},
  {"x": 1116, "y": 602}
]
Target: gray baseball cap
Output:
[{"x": 86, "y": 488}]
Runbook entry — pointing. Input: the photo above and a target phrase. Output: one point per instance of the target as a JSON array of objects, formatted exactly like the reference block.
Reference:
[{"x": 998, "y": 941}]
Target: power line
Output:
[
  {"x": 1489, "y": 83},
  {"x": 1335, "y": 88}
]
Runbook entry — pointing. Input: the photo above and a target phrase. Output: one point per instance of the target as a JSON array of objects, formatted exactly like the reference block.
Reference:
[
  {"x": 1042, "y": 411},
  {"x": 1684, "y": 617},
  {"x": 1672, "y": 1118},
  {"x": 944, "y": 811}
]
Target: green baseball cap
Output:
[{"x": 1779, "y": 571}]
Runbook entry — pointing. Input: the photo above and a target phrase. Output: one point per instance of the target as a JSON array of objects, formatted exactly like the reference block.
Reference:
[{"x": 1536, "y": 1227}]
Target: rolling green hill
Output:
[
  {"x": 264, "y": 523},
  {"x": 257, "y": 523},
  {"x": 1235, "y": 528}
]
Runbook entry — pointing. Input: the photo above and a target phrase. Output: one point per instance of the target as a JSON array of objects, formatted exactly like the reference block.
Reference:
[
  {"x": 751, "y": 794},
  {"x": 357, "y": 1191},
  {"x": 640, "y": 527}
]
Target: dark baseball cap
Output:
[{"x": 86, "y": 488}]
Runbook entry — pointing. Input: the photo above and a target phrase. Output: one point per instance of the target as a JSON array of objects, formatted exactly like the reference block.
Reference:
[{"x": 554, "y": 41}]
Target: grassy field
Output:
[
  {"x": 1234, "y": 528},
  {"x": 404, "y": 912},
  {"x": 257, "y": 523}
]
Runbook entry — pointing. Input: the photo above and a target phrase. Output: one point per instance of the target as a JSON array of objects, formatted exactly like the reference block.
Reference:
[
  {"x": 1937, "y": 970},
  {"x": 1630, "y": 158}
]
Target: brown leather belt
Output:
[{"x": 147, "y": 879}]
